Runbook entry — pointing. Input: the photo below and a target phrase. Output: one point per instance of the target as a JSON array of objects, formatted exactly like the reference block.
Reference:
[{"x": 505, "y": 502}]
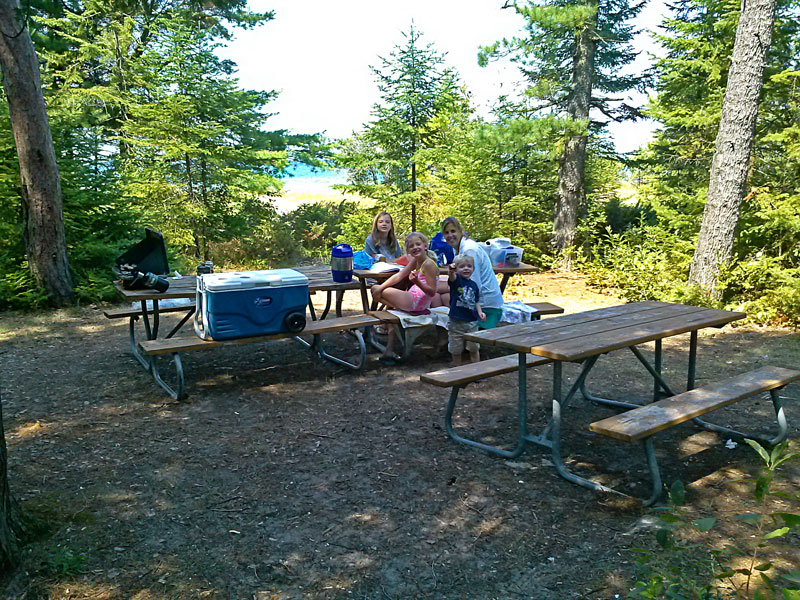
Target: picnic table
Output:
[
  {"x": 184, "y": 288},
  {"x": 363, "y": 275},
  {"x": 583, "y": 338},
  {"x": 319, "y": 280}
]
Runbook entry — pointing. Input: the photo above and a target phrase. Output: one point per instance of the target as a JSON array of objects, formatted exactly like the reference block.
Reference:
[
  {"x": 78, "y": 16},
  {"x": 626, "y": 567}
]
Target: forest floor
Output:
[{"x": 282, "y": 478}]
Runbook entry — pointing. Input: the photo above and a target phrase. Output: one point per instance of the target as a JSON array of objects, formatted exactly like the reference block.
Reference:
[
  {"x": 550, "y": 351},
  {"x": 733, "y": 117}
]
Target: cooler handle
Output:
[{"x": 198, "y": 310}]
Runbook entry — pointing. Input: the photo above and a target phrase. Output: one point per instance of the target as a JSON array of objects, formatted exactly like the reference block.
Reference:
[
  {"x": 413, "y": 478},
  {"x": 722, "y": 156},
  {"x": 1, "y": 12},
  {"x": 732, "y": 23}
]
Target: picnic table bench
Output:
[
  {"x": 641, "y": 424},
  {"x": 174, "y": 346}
]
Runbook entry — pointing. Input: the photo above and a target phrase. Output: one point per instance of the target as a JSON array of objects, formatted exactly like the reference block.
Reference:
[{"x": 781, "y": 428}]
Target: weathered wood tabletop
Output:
[{"x": 579, "y": 335}]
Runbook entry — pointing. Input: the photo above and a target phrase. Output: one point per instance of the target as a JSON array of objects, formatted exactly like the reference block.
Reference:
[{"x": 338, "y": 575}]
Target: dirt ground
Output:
[{"x": 279, "y": 477}]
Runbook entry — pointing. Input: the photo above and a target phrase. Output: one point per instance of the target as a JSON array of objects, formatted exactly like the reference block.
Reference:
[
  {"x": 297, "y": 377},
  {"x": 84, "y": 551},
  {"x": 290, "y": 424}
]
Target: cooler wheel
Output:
[{"x": 294, "y": 322}]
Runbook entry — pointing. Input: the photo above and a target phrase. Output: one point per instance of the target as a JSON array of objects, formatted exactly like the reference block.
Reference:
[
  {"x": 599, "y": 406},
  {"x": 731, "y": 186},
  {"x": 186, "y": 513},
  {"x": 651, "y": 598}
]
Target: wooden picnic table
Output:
[
  {"x": 583, "y": 338},
  {"x": 366, "y": 274},
  {"x": 319, "y": 280}
]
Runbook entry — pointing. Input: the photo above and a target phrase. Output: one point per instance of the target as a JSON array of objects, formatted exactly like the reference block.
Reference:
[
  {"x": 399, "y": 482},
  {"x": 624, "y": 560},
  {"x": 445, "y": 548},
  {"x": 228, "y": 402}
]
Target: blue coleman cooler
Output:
[
  {"x": 250, "y": 303},
  {"x": 342, "y": 263}
]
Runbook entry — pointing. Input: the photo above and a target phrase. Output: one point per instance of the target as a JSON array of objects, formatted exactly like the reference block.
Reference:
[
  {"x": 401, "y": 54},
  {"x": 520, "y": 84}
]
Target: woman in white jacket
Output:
[{"x": 490, "y": 294}]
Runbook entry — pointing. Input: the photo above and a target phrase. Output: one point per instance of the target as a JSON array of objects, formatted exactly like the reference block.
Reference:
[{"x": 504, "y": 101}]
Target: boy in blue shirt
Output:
[{"x": 465, "y": 309}]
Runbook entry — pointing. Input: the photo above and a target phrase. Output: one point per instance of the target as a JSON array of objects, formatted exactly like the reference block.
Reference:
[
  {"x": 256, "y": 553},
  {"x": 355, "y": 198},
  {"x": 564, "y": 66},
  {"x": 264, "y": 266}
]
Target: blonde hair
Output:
[
  {"x": 424, "y": 238},
  {"x": 391, "y": 239},
  {"x": 463, "y": 258}
]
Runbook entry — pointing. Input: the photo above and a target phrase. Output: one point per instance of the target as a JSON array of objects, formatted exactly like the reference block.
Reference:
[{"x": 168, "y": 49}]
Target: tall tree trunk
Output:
[
  {"x": 10, "y": 528},
  {"x": 413, "y": 187},
  {"x": 734, "y": 143},
  {"x": 571, "y": 171},
  {"x": 43, "y": 213}
]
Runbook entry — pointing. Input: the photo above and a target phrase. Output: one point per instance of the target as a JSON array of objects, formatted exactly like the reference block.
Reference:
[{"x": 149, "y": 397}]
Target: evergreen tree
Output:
[
  {"x": 197, "y": 156},
  {"x": 571, "y": 55},
  {"x": 42, "y": 211},
  {"x": 420, "y": 101}
]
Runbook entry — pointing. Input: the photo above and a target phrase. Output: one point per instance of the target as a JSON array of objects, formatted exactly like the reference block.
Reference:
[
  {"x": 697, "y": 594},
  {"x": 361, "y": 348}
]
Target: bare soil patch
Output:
[{"x": 280, "y": 477}]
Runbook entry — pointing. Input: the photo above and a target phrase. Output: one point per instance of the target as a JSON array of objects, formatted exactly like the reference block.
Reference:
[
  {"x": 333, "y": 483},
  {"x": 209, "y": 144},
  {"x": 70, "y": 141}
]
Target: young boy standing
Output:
[{"x": 465, "y": 309}]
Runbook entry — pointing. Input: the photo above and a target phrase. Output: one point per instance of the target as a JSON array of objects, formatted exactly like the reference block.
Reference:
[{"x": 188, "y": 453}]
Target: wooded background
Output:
[{"x": 150, "y": 127}]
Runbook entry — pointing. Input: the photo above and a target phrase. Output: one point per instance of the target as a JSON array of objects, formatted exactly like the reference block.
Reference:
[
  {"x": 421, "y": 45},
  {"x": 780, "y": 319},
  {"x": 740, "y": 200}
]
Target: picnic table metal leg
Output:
[
  {"x": 178, "y": 392},
  {"x": 318, "y": 348},
  {"x": 692, "y": 361},
  {"x": 522, "y": 418},
  {"x": 181, "y": 323},
  {"x": 655, "y": 474},
  {"x": 658, "y": 383},
  {"x": 339, "y": 300},
  {"x": 132, "y": 336},
  {"x": 657, "y": 368},
  {"x": 555, "y": 436},
  {"x": 328, "y": 306},
  {"x": 504, "y": 282},
  {"x": 150, "y": 332},
  {"x": 364, "y": 296},
  {"x": 311, "y": 309}
]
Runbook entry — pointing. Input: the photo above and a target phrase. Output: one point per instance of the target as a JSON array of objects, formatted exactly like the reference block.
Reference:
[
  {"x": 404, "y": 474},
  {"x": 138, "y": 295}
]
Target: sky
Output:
[{"x": 317, "y": 55}]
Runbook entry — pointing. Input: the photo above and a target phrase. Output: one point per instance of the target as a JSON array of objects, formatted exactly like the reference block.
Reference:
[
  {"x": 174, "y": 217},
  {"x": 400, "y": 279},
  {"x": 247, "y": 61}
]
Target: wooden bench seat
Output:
[
  {"x": 640, "y": 424},
  {"x": 458, "y": 377},
  {"x": 186, "y": 344},
  {"x": 469, "y": 373},
  {"x": 545, "y": 308},
  {"x": 123, "y": 313},
  {"x": 174, "y": 346}
]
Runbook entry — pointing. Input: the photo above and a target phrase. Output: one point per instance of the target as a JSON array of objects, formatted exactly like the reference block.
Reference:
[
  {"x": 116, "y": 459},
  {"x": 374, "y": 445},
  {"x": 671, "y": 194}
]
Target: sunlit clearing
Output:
[
  {"x": 489, "y": 525},
  {"x": 28, "y": 430},
  {"x": 84, "y": 590},
  {"x": 697, "y": 443}
]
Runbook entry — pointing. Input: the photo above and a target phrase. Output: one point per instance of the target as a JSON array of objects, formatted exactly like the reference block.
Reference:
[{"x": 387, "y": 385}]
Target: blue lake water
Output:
[{"x": 304, "y": 179}]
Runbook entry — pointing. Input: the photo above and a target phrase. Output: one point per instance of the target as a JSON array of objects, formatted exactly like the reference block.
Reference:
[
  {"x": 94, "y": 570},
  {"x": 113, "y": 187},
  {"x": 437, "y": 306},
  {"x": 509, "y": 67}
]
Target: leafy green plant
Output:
[{"x": 682, "y": 568}]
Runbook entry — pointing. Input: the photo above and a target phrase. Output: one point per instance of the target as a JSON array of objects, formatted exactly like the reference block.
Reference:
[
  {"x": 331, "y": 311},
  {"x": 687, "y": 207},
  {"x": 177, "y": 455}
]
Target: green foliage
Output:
[
  {"x": 421, "y": 109},
  {"x": 644, "y": 263},
  {"x": 688, "y": 566},
  {"x": 316, "y": 227},
  {"x": 549, "y": 42}
]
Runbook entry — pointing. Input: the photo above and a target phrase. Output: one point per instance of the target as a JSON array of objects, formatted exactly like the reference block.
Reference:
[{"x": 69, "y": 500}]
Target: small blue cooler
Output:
[{"x": 250, "y": 303}]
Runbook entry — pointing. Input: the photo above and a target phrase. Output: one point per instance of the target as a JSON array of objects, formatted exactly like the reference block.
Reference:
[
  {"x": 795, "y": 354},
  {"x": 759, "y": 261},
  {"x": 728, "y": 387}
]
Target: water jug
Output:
[{"x": 342, "y": 263}]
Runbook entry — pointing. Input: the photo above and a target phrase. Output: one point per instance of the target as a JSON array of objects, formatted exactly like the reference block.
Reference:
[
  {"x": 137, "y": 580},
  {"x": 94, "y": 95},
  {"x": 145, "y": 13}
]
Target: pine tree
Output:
[
  {"x": 420, "y": 101},
  {"x": 571, "y": 54},
  {"x": 42, "y": 212},
  {"x": 197, "y": 155}
]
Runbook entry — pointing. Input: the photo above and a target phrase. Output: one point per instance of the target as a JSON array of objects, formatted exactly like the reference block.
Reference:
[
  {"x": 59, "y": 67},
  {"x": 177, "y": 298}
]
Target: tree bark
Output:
[
  {"x": 734, "y": 143},
  {"x": 43, "y": 214},
  {"x": 9, "y": 523},
  {"x": 571, "y": 171}
]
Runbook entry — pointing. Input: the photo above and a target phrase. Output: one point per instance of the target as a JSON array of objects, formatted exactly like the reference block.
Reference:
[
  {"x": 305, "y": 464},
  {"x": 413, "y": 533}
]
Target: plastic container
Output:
[
  {"x": 250, "y": 303},
  {"x": 513, "y": 256},
  {"x": 509, "y": 256},
  {"x": 342, "y": 263}
]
